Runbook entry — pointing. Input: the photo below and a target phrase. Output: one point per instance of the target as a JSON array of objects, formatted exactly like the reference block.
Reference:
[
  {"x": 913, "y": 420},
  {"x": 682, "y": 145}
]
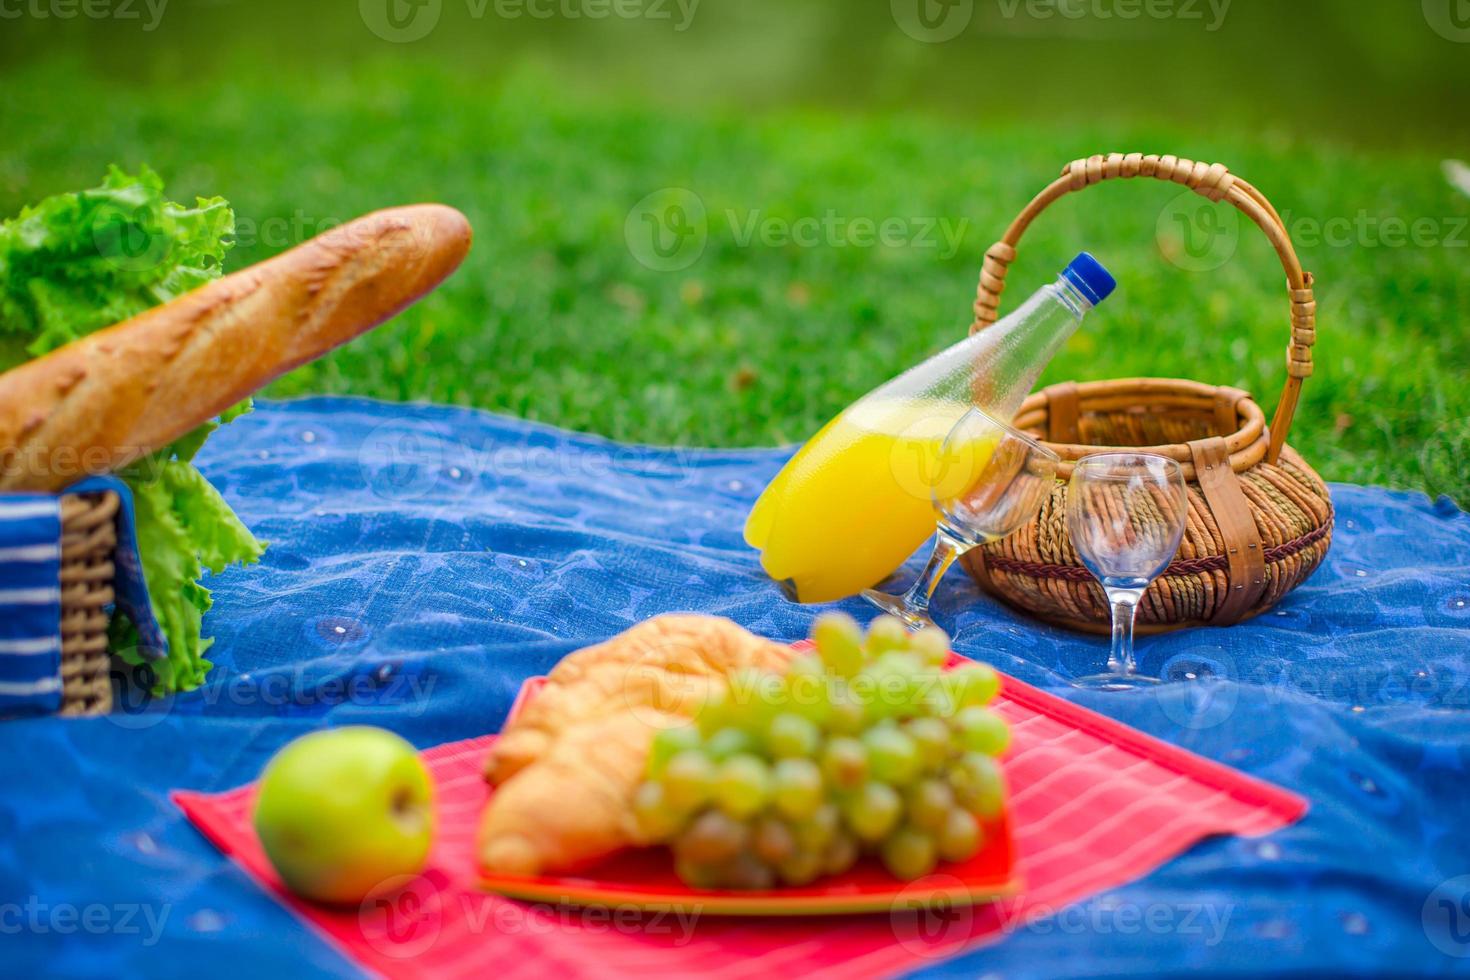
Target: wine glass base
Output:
[
  {"x": 1116, "y": 682},
  {"x": 894, "y": 605}
]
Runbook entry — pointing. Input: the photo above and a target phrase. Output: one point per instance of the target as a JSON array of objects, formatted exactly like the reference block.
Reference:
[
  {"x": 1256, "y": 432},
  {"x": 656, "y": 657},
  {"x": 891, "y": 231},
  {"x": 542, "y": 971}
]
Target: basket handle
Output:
[{"x": 1212, "y": 181}]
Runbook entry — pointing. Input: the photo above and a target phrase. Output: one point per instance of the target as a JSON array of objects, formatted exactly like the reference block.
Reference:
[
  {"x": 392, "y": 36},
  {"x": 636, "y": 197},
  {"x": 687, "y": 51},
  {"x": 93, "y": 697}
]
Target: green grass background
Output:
[{"x": 547, "y": 134}]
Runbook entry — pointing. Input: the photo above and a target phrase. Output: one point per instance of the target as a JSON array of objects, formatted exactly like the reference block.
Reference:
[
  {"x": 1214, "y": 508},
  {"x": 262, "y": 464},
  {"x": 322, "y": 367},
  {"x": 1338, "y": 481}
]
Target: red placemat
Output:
[{"x": 1096, "y": 804}]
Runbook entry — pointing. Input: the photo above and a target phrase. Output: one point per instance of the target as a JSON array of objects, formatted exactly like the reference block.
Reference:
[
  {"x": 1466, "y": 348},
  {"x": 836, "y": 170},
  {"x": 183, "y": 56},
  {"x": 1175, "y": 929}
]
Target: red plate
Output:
[{"x": 645, "y": 879}]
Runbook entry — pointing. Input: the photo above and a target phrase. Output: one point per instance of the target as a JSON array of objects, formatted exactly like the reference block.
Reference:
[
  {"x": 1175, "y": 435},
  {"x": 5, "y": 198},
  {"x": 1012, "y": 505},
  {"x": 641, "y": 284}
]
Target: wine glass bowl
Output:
[
  {"x": 1008, "y": 489},
  {"x": 990, "y": 479},
  {"x": 1126, "y": 516}
]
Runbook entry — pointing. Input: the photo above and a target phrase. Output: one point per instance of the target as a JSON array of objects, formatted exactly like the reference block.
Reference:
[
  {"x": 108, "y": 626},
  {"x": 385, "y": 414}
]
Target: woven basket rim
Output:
[{"x": 1247, "y": 443}]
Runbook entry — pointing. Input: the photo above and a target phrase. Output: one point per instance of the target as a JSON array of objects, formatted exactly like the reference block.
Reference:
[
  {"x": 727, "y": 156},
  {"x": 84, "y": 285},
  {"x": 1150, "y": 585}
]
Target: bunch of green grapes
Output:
[{"x": 867, "y": 746}]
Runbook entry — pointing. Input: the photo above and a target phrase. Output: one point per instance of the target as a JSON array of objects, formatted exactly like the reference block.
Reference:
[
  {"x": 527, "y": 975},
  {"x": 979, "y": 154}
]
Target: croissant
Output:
[
  {"x": 664, "y": 665},
  {"x": 572, "y": 807}
]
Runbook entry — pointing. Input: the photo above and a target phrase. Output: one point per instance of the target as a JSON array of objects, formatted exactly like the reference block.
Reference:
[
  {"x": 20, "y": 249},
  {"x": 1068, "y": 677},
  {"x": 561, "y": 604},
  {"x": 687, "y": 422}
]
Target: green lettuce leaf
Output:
[
  {"x": 76, "y": 263},
  {"x": 184, "y": 527}
]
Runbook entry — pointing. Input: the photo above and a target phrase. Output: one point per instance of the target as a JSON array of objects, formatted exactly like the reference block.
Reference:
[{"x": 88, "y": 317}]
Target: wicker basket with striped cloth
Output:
[{"x": 56, "y": 593}]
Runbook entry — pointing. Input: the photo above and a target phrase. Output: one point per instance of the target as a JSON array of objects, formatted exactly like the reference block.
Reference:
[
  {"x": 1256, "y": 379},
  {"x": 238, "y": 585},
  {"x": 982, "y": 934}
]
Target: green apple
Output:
[{"x": 342, "y": 811}]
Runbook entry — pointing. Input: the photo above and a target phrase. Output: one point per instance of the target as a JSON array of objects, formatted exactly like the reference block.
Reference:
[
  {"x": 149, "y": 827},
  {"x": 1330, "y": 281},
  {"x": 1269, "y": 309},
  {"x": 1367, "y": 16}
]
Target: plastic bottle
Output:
[{"x": 856, "y": 501}]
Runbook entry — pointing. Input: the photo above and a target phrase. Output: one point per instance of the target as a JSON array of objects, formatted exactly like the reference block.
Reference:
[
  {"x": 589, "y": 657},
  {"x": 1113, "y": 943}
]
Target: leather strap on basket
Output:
[
  {"x": 1064, "y": 412},
  {"x": 1227, "y": 411},
  {"x": 1212, "y": 181},
  {"x": 1246, "y": 575}
]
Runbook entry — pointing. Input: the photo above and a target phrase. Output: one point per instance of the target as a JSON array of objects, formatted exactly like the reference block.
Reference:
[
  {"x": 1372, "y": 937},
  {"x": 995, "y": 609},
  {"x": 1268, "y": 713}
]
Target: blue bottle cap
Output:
[{"x": 1090, "y": 278}]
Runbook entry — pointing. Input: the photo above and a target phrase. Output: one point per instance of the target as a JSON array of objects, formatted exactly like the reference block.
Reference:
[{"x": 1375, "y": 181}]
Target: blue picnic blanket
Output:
[{"x": 425, "y": 560}]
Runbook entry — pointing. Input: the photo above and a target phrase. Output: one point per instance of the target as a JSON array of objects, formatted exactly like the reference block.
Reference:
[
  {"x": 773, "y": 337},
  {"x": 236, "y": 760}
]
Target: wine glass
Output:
[
  {"x": 989, "y": 479},
  {"x": 1125, "y": 513}
]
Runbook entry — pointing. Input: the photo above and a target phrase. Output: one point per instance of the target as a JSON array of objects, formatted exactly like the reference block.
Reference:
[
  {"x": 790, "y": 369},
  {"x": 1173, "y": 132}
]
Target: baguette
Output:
[{"x": 114, "y": 396}]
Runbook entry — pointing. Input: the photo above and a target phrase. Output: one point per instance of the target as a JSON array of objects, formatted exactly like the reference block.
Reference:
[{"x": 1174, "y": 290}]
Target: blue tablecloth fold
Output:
[{"x": 425, "y": 560}]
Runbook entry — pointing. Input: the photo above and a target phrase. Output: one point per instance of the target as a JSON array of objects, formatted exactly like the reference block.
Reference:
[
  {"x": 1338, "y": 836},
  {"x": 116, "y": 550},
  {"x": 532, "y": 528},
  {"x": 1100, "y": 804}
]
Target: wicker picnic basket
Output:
[
  {"x": 1260, "y": 519},
  {"x": 88, "y": 541}
]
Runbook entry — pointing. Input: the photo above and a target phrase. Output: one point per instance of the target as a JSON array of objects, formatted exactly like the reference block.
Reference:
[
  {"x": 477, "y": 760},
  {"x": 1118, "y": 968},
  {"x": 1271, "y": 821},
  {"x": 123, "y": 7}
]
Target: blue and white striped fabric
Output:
[
  {"x": 30, "y": 603},
  {"x": 30, "y": 594}
]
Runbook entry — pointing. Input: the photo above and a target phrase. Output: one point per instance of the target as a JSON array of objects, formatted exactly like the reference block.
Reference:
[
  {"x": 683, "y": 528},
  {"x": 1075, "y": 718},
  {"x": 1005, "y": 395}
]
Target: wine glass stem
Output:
[
  {"x": 1125, "y": 608},
  {"x": 946, "y": 550}
]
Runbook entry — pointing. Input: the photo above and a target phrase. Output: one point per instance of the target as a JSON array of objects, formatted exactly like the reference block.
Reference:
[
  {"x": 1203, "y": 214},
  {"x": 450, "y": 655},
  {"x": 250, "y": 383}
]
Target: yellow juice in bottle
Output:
[{"x": 857, "y": 500}]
